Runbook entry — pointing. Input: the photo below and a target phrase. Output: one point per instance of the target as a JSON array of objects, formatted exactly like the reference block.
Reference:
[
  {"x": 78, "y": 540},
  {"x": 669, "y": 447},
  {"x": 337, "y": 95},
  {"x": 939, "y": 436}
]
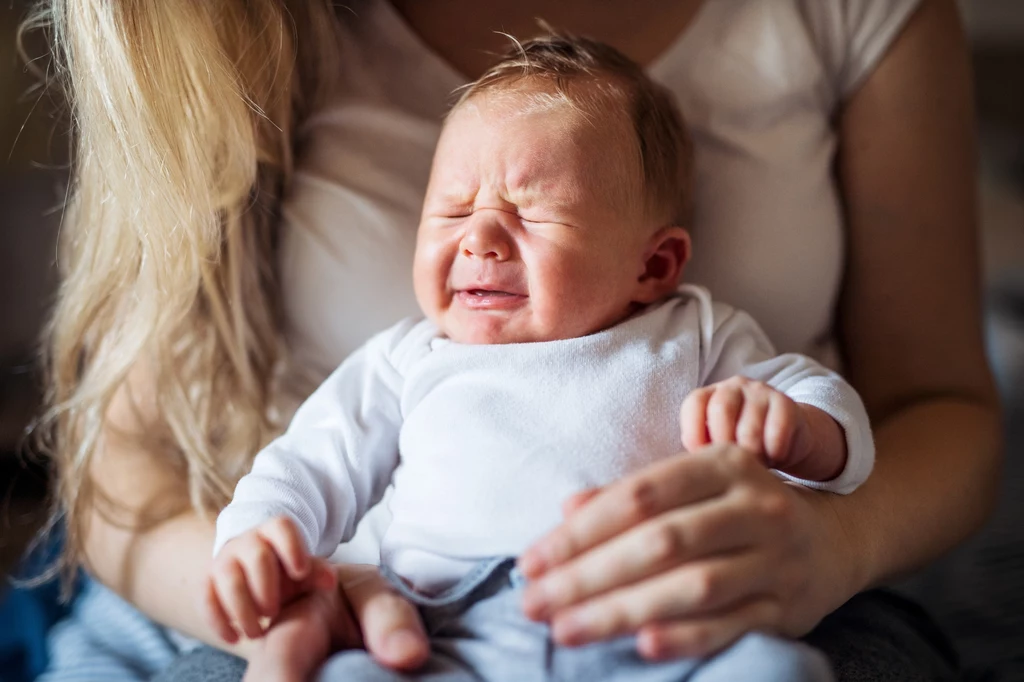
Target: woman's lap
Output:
[
  {"x": 879, "y": 636},
  {"x": 875, "y": 637}
]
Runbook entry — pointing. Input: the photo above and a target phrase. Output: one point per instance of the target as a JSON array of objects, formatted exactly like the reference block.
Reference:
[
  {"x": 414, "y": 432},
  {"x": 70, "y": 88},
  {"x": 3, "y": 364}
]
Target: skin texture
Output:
[{"x": 912, "y": 339}]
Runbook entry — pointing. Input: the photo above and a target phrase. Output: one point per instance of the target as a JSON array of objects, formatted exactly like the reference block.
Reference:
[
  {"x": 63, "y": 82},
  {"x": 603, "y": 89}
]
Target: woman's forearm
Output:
[
  {"x": 935, "y": 482},
  {"x": 161, "y": 571}
]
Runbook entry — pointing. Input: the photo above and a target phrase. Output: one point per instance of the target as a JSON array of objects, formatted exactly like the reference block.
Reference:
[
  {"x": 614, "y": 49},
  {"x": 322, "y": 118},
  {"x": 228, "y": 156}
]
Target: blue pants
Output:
[
  {"x": 875, "y": 636},
  {"x": 478, "y": 632}
]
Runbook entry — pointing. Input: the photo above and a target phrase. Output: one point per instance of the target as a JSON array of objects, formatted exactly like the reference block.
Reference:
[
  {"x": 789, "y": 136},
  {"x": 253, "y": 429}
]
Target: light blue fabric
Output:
[
  {"x": 478, "y": 632},
  {"x": 105, "y": 639}
]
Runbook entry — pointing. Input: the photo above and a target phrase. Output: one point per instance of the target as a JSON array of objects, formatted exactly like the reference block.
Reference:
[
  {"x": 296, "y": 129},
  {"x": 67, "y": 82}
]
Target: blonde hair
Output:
[
  {"x": 596, "y": 79},
  {"x": 183, "y": 120}
]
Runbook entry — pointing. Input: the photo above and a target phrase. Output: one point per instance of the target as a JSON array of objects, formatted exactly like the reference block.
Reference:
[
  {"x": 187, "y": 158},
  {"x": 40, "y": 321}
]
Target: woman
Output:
[{"x": 248, "y": 180}]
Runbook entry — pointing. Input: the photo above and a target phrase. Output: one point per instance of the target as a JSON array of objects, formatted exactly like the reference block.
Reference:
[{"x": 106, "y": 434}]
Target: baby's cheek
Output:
[{"x": 430, "y": 271}]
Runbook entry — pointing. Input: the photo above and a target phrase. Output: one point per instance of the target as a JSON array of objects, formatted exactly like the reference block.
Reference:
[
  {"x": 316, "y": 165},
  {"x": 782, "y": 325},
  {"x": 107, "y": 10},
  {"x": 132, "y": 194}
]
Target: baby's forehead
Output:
[
  {"x": 593, "y": 106},
  {"x": 597, "y": 142}
]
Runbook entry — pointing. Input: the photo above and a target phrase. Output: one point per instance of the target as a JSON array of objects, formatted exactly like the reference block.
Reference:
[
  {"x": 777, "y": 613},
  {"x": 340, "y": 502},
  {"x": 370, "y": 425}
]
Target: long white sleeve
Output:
[
  {"x": 738, "y": 346},
  {"x": 334, "y": 461}
]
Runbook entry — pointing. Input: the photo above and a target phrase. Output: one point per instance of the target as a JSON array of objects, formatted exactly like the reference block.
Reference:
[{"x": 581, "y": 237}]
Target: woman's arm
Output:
[
  {"x": 162, "y": 567},
  {"x": 159, "y": 566},
  {"x": 910, "y": 316}
]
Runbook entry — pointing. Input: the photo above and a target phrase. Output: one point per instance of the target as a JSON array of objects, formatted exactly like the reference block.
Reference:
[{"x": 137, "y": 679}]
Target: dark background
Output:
[{"x": 977, "y": 592}]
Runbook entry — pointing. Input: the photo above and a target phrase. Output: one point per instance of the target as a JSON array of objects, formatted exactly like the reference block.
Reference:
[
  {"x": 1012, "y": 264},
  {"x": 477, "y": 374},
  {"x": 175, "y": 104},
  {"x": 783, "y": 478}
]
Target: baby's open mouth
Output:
[
  {"x": 490, "y": 292},
  {"x": 489, "y": 299}
]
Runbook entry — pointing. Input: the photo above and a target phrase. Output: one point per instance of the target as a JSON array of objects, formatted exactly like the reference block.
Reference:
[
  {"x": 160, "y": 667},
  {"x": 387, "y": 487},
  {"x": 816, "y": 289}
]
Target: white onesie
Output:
[{"x": 485, "y": 442}]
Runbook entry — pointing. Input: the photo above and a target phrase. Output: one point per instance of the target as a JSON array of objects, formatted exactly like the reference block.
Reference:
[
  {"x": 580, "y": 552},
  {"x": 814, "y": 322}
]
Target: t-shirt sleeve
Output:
[
  {"x": 736, "y": 345},
  {"x": 336, "y": 457},
  {"x": 852, "y": 36}
]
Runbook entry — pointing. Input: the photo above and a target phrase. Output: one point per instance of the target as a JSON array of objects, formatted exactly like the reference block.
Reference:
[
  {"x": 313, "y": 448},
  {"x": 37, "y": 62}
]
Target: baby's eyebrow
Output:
[
  {"x": 453, "y": 197},
  {"x": 531, "y": 196}
]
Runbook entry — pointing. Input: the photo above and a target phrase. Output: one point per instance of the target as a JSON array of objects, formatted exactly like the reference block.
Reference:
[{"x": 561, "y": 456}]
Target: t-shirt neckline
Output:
[{"x": 402, "y": 30}]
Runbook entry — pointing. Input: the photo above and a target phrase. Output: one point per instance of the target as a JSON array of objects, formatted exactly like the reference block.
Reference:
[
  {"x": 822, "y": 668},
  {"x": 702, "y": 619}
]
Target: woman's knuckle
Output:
[
  {"x": 642, "y": 499},
  {"x": 706, "y": 586},
  {"x": 616, "y": 618},
  {"x": 776, "y": 507},
  {"x": 696, "y": 639},
  {"x": 664, "y": 543}
]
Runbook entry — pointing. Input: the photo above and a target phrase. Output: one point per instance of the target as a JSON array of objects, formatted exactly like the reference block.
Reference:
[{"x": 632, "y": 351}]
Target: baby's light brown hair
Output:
[{"x": 597, "y": 80}]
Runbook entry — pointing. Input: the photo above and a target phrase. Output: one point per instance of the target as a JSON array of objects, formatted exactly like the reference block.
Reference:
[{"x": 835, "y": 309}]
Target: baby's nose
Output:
[{"x": 486, "y": 238}]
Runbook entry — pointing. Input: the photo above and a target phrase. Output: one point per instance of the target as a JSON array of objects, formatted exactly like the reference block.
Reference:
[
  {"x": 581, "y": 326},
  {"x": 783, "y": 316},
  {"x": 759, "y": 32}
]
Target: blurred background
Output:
[{"x": 977, "y": 592}]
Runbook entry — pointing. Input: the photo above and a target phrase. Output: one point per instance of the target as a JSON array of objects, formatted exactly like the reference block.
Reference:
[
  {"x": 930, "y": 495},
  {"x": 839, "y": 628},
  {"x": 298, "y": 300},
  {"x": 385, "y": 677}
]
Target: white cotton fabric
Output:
[
  {"x": 760, "y": 83},
  {"x": 485, "y": 442}
]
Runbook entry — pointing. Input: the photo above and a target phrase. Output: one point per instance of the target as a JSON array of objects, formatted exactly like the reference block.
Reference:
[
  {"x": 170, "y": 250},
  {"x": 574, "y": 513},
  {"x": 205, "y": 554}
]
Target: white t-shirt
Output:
[
  {"x": 484, "y": 442},
  {"x": 759, "y": 82}
]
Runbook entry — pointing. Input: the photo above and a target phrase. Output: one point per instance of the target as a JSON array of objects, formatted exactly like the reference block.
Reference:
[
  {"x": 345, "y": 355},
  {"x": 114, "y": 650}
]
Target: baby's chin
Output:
[
  {"x": 484, "y": 329},
  {"x": 488, "y": 329},
  {"x": 479, "y": 335}
]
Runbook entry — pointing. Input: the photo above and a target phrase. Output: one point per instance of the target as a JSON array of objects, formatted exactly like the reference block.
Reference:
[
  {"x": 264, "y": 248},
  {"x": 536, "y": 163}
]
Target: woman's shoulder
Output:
[{"x": 789, "y": 44}]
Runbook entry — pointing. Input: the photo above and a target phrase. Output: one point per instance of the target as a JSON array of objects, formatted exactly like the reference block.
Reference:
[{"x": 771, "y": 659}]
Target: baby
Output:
[{"x": 556, "y": 351}]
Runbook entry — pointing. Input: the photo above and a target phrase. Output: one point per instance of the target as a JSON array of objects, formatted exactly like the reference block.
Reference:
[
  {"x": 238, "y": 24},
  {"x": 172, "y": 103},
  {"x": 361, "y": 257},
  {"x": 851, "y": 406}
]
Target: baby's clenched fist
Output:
[{"x": 796, "y": 438}]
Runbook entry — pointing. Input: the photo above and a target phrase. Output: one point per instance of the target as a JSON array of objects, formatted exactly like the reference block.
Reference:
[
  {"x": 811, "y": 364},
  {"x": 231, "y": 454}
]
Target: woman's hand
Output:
[
  {"x": 365, "y": 611},
  {"x": 690, "y": 554}
]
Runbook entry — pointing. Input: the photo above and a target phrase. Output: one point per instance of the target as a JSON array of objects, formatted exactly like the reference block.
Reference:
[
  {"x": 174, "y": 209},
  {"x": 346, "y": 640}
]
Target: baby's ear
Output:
[{"x": 665, "y": 257}]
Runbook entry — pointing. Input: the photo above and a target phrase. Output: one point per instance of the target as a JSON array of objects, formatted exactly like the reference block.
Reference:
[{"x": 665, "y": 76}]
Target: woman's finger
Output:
[
  {"x": 575, "y": 502},
  {"x": 392, "y": 630},
  {"x": 699, "y": 638},
  {"x": 692, "y": 590},
  {"x": 716, "y": 526},
  {"x": 237, "y": 600},
  {"x": 289, "y": 546},
  {"x": 673, "y": 482}
]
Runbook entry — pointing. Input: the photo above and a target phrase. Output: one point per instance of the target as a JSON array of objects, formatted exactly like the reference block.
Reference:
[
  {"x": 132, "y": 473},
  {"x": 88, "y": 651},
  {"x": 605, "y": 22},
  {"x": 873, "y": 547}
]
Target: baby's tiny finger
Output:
[
  {"x": 263, "y": 575},
  {"x": 751, "y": 423},
  {"x": 693, "y": 419},
  {"x": 237, "y": 600},
  {"x": 723, "y": 411},
  {"x": 289, "y": 546},
  {"x": 217, "y": 616},
  {"x": 779, "y": 427}
]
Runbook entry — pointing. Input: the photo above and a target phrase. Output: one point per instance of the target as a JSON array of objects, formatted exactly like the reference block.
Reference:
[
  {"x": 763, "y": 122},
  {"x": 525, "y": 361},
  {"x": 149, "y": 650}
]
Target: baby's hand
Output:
[
  {"x": 792, "y": 437},
  {"x": 258, "y": 572}
]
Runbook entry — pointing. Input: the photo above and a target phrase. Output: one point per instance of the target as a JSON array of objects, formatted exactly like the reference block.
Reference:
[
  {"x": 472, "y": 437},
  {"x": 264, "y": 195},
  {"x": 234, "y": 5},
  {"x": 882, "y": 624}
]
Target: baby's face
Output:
[{"x": 529, "y": 232}]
